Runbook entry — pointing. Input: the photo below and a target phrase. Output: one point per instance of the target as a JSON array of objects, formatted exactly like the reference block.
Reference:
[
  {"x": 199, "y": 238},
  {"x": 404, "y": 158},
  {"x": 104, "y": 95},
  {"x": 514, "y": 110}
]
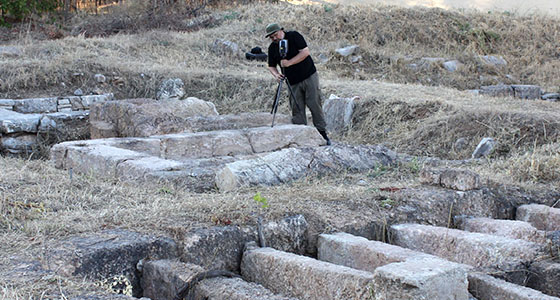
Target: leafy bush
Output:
[{"x": 20, "y": 9}]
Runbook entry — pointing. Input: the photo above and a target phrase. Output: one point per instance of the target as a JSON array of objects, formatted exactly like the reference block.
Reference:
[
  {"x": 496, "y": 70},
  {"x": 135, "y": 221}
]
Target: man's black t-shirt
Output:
[{"x": 298, "y": 72}]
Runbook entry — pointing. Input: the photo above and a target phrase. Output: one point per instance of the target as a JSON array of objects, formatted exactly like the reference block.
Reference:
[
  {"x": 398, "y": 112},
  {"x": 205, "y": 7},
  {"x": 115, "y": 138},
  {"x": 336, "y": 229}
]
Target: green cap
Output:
[{"x": 272, "y": 28}]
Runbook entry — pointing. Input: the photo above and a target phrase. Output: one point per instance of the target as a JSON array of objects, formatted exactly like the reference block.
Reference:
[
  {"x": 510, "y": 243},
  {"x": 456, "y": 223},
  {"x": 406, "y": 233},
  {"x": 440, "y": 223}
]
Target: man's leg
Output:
[
  {"x": 313, "y": 101},
  {"x": 298, "y": 108}
]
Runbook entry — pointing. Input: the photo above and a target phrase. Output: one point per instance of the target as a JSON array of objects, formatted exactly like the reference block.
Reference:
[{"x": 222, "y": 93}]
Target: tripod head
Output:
[{"x": 283, "y": 47}]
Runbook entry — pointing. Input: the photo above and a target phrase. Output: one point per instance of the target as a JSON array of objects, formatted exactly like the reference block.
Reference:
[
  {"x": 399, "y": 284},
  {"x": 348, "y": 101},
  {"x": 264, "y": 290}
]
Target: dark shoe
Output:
[
  {"x": 324, "y": 135},
  {"x": 328, "y": 142}
]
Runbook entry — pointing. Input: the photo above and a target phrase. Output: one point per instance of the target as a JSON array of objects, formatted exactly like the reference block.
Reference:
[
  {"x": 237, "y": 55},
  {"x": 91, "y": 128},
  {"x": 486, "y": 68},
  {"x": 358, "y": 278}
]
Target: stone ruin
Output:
[
  {"x": 490, "y": 250},
  {"x": 25, "y": 123}
]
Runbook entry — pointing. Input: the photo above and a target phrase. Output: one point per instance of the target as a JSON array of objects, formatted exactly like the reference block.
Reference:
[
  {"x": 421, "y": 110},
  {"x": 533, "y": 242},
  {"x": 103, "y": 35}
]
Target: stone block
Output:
[
  {"x": 461, "y": 180},
  {"x": 338, "y": 113},
  {"x": 100, "y": 130},
  {"x": 475, "y": 249},
  {"x": 36, "y": 105},
  {"x": 304, "y": 277},
  {"x": 360, "y": 253},
  {"x": 106, "y": 254},
  {"x": 11, "y": 122},
  {"x": 421, "y": 279},
  {"x": 497, "y": 90},
  {"x": 222, "y": 247},
  {"x": 545, "y": 277},
  {"x": 506, "y": 228},
  {"x": 20, "y": 144},
  {"x": 541, "y": 216},
  {"x": 527, "y": 91},
  {"x": 7, "y": 104},
  {"x": 205, "y": 144},
  {"x": 484, "y": 148},
  {"x": 267, "y": 139},
  {"x": 162, "y": 279},
  {"x": 486, "y": 287}
]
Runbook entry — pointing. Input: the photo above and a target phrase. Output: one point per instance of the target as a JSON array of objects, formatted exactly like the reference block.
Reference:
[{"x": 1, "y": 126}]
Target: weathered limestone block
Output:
[
  {"x": 486, "y": 287},
  {"x": 222, "y": 247},
  {"x": 304, "y": 277},
  {"x": 338, "y": 113},
  {"x": 205, "y": 144},
  {"x": 7, "y": 104},
  {"x": 497, "y": 90},
  {"x": 461, "y": 180},
  {"x": 74, "y": 123},
  {"x": 360, "y": 253},
  {"x": 493, "y": 60},
  {"x": 36, "y": 105},
  {"x": 526, "y": 91},
  {"x": 11, "y": 121},
  {"x": 506, "y": 228},
  {"x": 545, "y": 277},
  {"x": 291, "y": 164},
  {"x": 147, "y": 117},
  {"x": 266, "y": 139},
  {"x": 162, "y": 279},
  {"x": 541, "y": 216},
  {"x": 101, "y": 130},
  {"x": 10, "y": 51},
  {"x": 238, "y": 121},
  {"x": 98, "y": 159},
  {"x": 399, "y": 273},
  {"x": 475, "y": 249},
  {"x": 422, "y": 279},
  {"x": 109, "y": 253},
  {"x": 18, "y": 144}
]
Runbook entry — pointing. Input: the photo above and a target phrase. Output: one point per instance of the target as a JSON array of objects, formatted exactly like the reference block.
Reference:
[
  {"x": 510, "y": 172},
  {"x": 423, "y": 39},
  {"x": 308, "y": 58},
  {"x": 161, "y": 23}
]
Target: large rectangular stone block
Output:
[
  {"x": 266, "y": 139},
  {"x": 205, "y": 144},
  {"x": 36, "y": 105},
  {"x": 475, "y": 249},
  {"x": 360, "y": 253},
  {"x": 11, "y": 122},
  {"x": 486, "y": 287},
  {"x": 541, "y": 216},
  {"x": 304, "y": 277},
  {"x": 506, "y": 228},
  {"x": 423, "y": 278}
]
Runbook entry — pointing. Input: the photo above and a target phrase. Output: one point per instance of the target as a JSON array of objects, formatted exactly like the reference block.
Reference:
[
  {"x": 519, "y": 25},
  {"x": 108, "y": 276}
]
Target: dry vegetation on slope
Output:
[{"x": 416, "y": 112}]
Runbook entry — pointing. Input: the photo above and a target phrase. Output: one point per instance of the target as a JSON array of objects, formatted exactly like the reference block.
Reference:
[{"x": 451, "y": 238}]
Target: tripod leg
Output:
[
  {"x": 292, "y": 96},
  {"x": 275, "y": 105}
]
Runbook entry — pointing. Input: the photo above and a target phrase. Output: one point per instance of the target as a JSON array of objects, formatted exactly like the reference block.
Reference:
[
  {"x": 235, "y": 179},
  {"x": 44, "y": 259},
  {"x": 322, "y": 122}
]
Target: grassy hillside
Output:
[{"x": 416, "y": 111}]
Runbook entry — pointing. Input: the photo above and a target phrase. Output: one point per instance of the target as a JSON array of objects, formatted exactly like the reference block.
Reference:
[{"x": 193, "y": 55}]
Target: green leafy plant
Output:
[{"x": 262, "y": 201}]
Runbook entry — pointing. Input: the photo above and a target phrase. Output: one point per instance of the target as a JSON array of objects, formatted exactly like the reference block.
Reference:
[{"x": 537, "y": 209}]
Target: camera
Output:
[{"x": 283, "y": 47}]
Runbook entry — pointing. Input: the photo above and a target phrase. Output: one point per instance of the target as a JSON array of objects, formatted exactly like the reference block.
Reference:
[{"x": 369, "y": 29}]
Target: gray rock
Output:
[
  {"x": 347, "y": 51},
  {"x": 484, "y": 148},
  {"x": 526, "y": 91},
  {"x": 338, "y": 113},
  {"x": 10, "y": 51},
  {"x": 73, "y": 124},
  {"x": 225, "y": 47},
  {"x": 7, "y": 104},
  {"x": 100, "y": 78},
  {"x": 452, "y": 65},
  {"x": 494, "y": 60},
  {"x": 171, "y": 89},
  {"x": 543, "y": 217},
  {"x": 544, "y": 276},
  {"x": 551, "y": 96},
  {"x": 506, "y": 228},
  {"x": 78, "y": 92},
  {"x": 11, "y": 122},
  {"x": 36, "y": 105},
  {"x": 460, "y": 144},
  {"x": 322, "y": 58}
]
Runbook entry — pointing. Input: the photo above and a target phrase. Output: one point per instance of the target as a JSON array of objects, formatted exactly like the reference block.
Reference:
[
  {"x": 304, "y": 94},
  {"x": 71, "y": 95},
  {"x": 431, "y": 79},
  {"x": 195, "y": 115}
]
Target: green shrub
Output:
[{"x": 20, "y": 9}]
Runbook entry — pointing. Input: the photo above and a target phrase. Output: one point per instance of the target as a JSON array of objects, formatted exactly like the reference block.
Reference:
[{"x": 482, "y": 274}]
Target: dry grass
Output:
[{"x": 39, "y": 204}]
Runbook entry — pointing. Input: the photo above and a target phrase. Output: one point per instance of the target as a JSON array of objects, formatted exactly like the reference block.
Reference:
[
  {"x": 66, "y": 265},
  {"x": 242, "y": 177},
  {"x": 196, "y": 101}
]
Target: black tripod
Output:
[{"x": 277, "y": 99}]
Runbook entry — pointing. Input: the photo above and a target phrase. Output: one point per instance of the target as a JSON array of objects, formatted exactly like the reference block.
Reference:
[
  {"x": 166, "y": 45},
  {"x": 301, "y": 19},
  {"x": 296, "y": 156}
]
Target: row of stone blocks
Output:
[
  {"x": 348, "y": 267},
  {"x": 226, "y": 159}
]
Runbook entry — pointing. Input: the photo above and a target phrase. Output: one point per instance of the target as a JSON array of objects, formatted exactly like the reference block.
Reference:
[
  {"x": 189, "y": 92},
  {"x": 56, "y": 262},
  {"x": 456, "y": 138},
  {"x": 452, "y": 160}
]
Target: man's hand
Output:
[{"x": 279, "y": 76}]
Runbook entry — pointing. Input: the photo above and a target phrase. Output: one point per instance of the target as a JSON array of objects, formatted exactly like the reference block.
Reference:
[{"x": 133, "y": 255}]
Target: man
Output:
[{"x": 302, "y": 76}]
